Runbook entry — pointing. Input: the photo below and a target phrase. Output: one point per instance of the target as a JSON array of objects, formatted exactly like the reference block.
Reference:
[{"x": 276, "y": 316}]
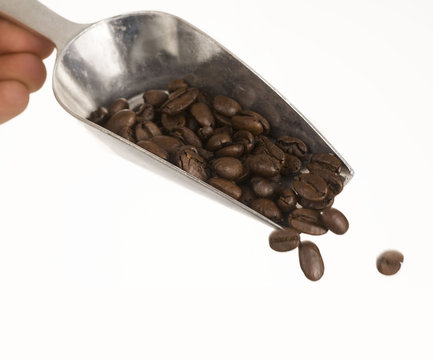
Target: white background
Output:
[{"x": 102, "y": 259}]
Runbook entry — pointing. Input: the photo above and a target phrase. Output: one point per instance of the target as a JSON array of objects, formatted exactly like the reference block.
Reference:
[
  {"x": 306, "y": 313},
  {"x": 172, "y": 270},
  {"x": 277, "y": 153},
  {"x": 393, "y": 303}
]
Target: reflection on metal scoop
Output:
[{"x": 125, "y": 55}]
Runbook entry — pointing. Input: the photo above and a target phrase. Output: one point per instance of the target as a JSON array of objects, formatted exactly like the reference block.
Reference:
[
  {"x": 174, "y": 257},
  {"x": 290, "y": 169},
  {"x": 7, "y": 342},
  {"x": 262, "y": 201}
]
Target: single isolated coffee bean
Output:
[
  {"x": 284, "y": 239},
  {"x": 226, "y": 106},
  {"x": 334, "y": 220},
  {"x": 226, "y": 186},
  {"x": 389, "y": 262},
  {"x": 306, "y": 221},
  {"x": 311, "y": 260}
]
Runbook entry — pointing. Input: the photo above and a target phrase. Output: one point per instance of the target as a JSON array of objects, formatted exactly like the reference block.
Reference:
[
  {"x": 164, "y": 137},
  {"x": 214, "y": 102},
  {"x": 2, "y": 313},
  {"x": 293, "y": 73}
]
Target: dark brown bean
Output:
[
  {"x": 266, "y": 146},
  {"x": 117, "y": 105},
  {"x": 180, "y": 102},
  {"x": 263, "y": 165},
  {"x": 99, "y": 116},
  {"x": 168, "y": 143},
  {"x": 155, "y": 97},
  {"x": 324, "y": 161},
  {"x": 202, "y": 114},
  {"x": 262, "y": 187},
  {"x": 152, "y": 128},
  {"x": 146, "y": 112},
  {"x": 334, "y": 220},
  {"x": 188, "y": 136},
  {"x": 227, "y": 186},
  {"x": 284, "y": 239},
  {"x": 241, "y": 122},
  {"x": 265, "y": 123},
  {"x": 317, "y": 205},
  {"x": 226, "y": 106},
  {"x": 389, "y": 262},
  {"x": 122, "y": 118},
  {"x": 292, "y": 145},
  {"x": 335, "y": 182},
  {"x": 141, "y": 133},
  {"x": 310, "y": 187},
  {"x": 177, "y": 84},
  {"x": 286, "y": 200},
  {"x": 221, "y": 120},
  {"x": 306, "y": 221},
  {"x": 245, "y": 138},
  {"x": 127, "y": 133},
  {"x": 187, "y": 158},
  {"x": 232, "y": 150},
  {"x": 267, "y": 208},
  {"x": 247, "y": 195},
  {"x": 311, "y": 260},
  {"x": 228, "y": 168},
  {"x": 292, "y": 165},
  {"x": 217, "y": 141},
  {"x": 205, "y": 132},
  {"x": 153, "y": 148},
  {"x": 169, "y": 122}
]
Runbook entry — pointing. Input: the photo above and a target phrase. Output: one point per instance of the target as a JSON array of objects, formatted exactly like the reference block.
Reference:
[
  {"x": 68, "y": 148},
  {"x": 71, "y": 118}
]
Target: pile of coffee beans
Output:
[{"x": 231, "y": 148}]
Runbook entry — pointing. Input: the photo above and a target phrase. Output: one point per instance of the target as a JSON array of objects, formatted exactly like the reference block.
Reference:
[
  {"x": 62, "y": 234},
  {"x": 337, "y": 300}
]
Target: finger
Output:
[
  {"x": 14, "y": 97},
  {"x": 16, "y": 39},
  {"x": 24, "y": 67}
]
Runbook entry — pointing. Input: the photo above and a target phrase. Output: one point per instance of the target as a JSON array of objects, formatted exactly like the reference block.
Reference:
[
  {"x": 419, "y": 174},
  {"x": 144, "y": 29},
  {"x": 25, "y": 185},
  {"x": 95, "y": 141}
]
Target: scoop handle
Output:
[{"x": 37, "y": 17}]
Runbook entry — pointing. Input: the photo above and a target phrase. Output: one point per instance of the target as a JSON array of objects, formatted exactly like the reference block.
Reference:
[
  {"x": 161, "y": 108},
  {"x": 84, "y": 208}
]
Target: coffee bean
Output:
[
  {"x": 187, "y": 158},
  {"x": 141, "y": 133},
  {"x": 247, "y": 195},
  {"x": 188, "y": 136},
  {"x": 178, "y": 103},
  {"x": 310, "y": 187},
  {"x": 292, "y": 145},
  {"x": 292, "y": 165},
  {"x": 245, "y": 138},
  {"x": 202, "y": 114},
  {"x": 224, "y": 129},
  {"x": 232, "y": 150},
  {"x": 324, "y": 161},
  {"x": 205, "y": 133},
  {"x": 263, "y": 165},
  {"x": 169, "y": 122},
  {"x": 228, "y": 168},
  {"x": 153, "y": 148},
  {"x": 127, "y": 133},
  {"x": 306, "y": 221},
  {"x": 286, "y": 200},
  {"x": 145, "y": 112},
  {"x": 265, "y": 123},
  {"x": 168, "y": 143},
  {"x": 335, "y": 182},
  {"x": 226, "y": 106},
  {"x": 221, "y": 120},
  {"x": 267, "y": 208},
  {"x": 155, "y": 97},
  {"x": 266, "y": 146},
  {"x": 227, "y": 186},
  {"x": 122, "y": 118},
  {"x": 99, "y": 115},
  {"x": 151, "y": 127},
  {"x": 311, "y": 260},
  {"x": 205, "y": 154},
  {"x": 334, "y": 220},
  {"x": 177, "y": 84},
  {"x": 217, "y": 141},
  {"x": 317, "y": 205},
  {"x": 262, "y": 187},
  {"x": 284, "y": 239},
  {"x": 249, "y": 123},
  {"x": 117, "y": 105},
  {"x": 389, "y": 262}
]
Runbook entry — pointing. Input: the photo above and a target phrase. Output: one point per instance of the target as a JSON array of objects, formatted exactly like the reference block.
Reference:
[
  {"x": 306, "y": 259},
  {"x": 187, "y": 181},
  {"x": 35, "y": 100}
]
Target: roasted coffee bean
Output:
[
  {"x": 168, "y": 143},
  {"x": 117, "y": 105},
  {"x": 176, "y": 84},
  {"x": 286, "y": 200},
  {"x": 267, "y": 208},
  {"x": 187, "y": 158},
  {"x": 155, "y": 97},
  {"x": 263, "y": 165},
  {"x": 224, "y": 129},
  {"x": 247, "y": 195},
  {"x": 122, "y": 118},
  {"x": 153, "y": 148},
  {"x": 205, "y": 133},
  {"x": 151, "y": 127},
  {"x": 389, "y": 262},
  {"x": 228, "y": 168},
  {"x": 232, "y": 150},
  {"x": 311, "y": 260},
  {"x": 284, "y": 239},
  {"x": 334, "y": 220},
  {"x": 221, "y": 120},
  {"x": 169, "y": 122},
  {"x": 317, "y": 205},
  {"x": 310, "y": 187},
  {"x": 265, "y": 123},
  {"x": 205, "y": 154},
  {"x": 242, "y": 122},
  {"x": 292, "y": 165},
  {"x": 245, "y": 138},
  {"x": 262, "y": 187},
  {"x": 191, "y": 123},
  {"x": 227, "y": 186},
  {"x": 141, "y": 133},
  {"x": 266, "y": 146},
  {"x": 324, "y": 161},
  {"x": 246, "y": 174},
  {"x": 217, "y": 141},
  {"x": 99, "y": 116},
  {"x": 188, "y": 136},
  {"x": 127, "y": 133},
  {"x": 226, "y": 106},
  {"x": 202, "y": 114},
  {"x": 177, "y": 104},
  {"x": 335, "y": 182},
  {"x": 146, "y": 112},
  {"x": 292, "y": 145},
  {"x": 306, "y": 221}
]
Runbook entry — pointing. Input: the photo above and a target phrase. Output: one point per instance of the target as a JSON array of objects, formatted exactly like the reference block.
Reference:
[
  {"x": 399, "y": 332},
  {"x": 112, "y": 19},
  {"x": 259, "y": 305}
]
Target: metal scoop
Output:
[{"x": 125, "y": 55}]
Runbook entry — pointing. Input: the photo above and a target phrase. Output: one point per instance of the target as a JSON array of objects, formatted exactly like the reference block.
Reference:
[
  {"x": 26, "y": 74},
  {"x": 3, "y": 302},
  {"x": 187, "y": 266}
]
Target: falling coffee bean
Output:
[
  {"x": 311, "y": 260},
  {"x": 389, "y": 262},
  {"x": 334, "y": 220},
  {"x": 284, "y": 239}
]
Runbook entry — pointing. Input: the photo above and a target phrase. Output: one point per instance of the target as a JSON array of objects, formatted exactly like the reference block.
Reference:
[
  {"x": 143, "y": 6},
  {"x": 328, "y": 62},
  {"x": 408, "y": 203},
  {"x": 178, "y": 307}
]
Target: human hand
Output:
[{"x": 21, "y": 68}]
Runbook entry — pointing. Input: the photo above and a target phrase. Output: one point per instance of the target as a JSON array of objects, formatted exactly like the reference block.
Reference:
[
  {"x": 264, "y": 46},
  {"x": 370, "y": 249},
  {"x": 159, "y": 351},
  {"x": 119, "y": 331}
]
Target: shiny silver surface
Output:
[{"x": 125, "y": 55}]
